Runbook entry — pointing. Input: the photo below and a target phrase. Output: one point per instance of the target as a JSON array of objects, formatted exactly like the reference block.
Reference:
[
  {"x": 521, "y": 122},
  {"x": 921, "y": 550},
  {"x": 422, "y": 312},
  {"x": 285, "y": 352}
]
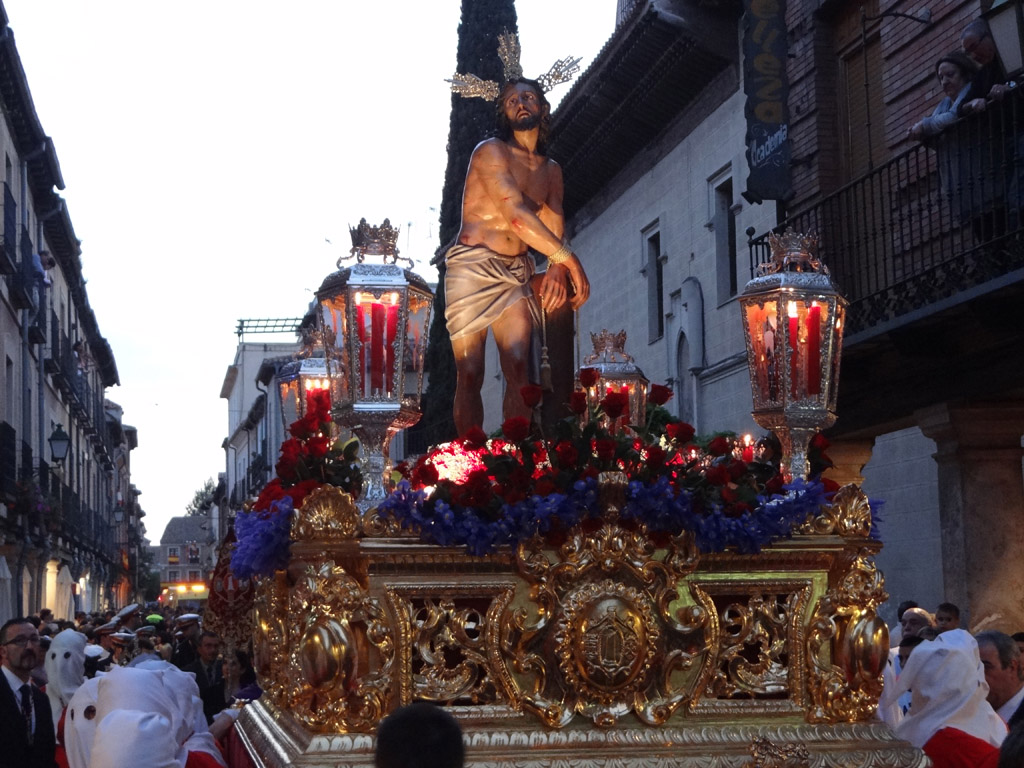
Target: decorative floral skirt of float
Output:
[{"x": 626, "y": 579}]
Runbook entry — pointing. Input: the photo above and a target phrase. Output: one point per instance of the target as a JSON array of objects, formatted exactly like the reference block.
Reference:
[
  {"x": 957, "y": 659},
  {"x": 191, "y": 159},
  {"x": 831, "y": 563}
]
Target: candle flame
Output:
[{"x": 791, "y": 308}]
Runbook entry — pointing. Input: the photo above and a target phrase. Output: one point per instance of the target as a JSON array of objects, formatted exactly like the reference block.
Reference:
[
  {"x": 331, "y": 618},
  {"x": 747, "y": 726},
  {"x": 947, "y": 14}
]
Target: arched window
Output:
[{"x": 684, "y": 381}]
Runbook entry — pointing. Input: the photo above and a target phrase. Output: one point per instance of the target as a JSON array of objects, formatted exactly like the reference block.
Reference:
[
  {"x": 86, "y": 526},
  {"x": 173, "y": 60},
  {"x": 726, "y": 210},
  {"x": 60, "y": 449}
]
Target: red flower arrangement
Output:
[
  {"x": 310, "y": 459},
  {"x": 487, "y": 493}
]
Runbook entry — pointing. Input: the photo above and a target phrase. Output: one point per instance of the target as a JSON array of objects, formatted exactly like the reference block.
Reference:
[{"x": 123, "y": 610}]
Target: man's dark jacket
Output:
[
  {"x": 210, "y": 691},
  {"x": 15, "y": 751}
]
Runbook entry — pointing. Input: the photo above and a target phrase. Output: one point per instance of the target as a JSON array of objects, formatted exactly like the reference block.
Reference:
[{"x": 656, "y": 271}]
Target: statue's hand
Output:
[
  {"x": 579, "y": 282},
  {"x": 554, "y": 289}
]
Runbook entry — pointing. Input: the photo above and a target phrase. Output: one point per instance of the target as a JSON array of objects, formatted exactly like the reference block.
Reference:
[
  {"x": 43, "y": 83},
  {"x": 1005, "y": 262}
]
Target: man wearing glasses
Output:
[{"x": 26, "y": 725}]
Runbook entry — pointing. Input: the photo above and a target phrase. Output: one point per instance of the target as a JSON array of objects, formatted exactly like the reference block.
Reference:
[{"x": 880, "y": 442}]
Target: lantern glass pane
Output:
[
  {"x": 289, "y": 401},
  {"x": 376, "y": 319},
  {"x": 766, "y": 347},
  {"x": 335, "y": 333}
]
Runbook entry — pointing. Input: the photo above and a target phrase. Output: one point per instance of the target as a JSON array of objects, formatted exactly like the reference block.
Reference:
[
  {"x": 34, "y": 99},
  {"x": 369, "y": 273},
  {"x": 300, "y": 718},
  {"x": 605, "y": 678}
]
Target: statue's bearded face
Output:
[{"x": 522, "y": 106}]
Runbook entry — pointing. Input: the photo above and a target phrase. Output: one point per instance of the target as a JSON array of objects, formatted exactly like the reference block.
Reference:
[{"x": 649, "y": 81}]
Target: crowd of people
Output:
[
  {"x": 141, "y": 687},
  {"x": 957, "y": 696}
]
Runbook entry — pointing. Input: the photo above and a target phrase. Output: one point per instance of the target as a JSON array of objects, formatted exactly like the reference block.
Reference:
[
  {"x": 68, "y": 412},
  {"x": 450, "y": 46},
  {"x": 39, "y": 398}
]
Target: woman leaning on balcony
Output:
[{"x": 954, "y": 71}]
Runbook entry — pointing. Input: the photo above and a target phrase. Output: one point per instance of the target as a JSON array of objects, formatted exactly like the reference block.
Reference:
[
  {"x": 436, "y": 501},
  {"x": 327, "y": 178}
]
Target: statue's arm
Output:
[{"x": 552, "y": 211}]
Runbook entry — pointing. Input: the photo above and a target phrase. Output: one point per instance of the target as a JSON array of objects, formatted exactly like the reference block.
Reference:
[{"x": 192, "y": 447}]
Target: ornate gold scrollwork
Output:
[
  {"x": 849, "y": 514},
  {"x": 594, "y": 632},
  {"x": 270, "y": 620},
  {"x": 443, "y": 642},
  {"x": 753, "y": 647},
  {"x": 338, "y": 671},
  {"x": 328, "y": 513},
  {"x": 846, "y": 617},
  {"x": 769, "y": 755}
]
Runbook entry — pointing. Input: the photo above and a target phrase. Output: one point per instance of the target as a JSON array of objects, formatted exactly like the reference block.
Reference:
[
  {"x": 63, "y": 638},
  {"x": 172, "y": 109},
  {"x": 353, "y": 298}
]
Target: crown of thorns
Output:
[{"x": 470, "y": 85}]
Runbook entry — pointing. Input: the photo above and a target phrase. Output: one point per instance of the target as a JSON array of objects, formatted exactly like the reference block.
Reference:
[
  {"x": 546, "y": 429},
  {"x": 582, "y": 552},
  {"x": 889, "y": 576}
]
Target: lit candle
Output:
[
  {"x": 814, "y": 349},
  {"x": 377, "y": 319},
  {"x": 389, "y": 352},
  {"x": 794, "y": 347},
  {"x": 361, "y": 332}
]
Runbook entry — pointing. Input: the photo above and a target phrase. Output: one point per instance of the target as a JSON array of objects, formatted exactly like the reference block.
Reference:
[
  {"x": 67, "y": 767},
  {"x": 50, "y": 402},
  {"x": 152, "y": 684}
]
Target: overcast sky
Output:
[{"x": 212, "y": 148}]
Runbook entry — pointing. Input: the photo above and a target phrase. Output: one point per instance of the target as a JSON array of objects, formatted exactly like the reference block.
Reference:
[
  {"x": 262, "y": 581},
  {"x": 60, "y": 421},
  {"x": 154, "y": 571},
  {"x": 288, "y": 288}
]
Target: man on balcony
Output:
[{"x": 989, "y": 83}]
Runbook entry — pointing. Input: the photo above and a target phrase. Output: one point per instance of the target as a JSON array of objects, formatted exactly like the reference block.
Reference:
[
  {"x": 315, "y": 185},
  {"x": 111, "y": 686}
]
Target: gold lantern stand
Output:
[
  {"x": 374, "y": 320},
  {"x": 793, "y": 327}
]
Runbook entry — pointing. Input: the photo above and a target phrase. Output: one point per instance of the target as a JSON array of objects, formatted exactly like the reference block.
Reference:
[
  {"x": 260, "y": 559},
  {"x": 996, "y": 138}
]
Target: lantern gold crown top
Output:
[
  {"x": 608, "y": 348},
  {"x": 793, "y": 252},
  {"x": 471, "y": 85},
  {"x": 374, "y": 241}
]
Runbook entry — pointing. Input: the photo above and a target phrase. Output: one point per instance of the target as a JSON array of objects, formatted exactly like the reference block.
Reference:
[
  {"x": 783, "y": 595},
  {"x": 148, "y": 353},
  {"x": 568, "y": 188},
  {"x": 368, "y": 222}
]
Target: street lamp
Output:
[
  {"x": 1006, "y": 24},
  {"x": 60, "y": 443},
  {"x": 374, "y": 322},
  {"x": 793, "y": 322}
]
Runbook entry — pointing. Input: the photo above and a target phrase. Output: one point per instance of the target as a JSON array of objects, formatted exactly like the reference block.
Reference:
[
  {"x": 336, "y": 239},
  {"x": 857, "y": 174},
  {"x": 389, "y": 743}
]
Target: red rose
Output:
[
  {"x": 516, "y": 429},
  {"x": 318, "y": 446},
  {"x": 300, "y": 491},
  {"x": 680, "y": 431},
  {"x": 589, "y": 377},
  {"x": 659, "y": 394},
  {"x": 774, "y": 485},
  {"x": 425, "y": 474},
  {"x": 819, "y": 442},
  {"x": 605, "y": 449},
  {"x": 531, "y": 395},
  {"x": 830, "y": 485},
  {"x": 271, "y": 492},
  {"x": 729, "y": 495},
  {"x": 545, "y": 486},
  {"x": 719, "y": 446},
  {"x": 717, "y": 475},
  {"x": 615, "y": 404},
  {"x": 578, "y": 403},
  {"x": 655, "y": 457},
  {"x": 318, "y": 401},
  {"x": 567, "y": 454},
  {"x": 475, "y": 438},
  {"x": 590, "y": 472},
  {"x": 737, "y": 469},
  {"x": 286, "y": 467}
]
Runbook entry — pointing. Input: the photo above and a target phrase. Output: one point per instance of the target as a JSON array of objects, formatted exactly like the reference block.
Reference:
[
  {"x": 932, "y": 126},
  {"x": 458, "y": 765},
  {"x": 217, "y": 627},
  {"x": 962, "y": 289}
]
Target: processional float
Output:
[{"x": 640, "y": 621}]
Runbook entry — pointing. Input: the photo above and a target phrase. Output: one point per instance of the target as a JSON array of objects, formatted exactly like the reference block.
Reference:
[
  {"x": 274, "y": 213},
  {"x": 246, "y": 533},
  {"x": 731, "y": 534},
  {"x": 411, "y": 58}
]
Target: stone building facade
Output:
[{"x": 69, "y": 530}]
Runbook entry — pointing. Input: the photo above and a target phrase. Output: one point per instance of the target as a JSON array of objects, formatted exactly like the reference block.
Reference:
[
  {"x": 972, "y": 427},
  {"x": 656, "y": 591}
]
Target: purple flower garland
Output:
[{"x": 656, "y": 505}]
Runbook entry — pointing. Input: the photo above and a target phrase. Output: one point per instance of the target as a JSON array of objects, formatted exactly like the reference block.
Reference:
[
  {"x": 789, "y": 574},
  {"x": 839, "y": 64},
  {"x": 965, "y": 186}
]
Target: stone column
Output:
[
  {"x": 849, "y": 457},
  {"x": 981, "y": 508}
]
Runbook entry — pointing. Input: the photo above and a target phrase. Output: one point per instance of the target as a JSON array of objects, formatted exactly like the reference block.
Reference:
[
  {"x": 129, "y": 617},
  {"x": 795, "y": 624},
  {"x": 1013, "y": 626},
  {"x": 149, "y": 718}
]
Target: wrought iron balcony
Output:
[
  {"x": 940, "y": 220},
  {"x": 929, "y": 250}
]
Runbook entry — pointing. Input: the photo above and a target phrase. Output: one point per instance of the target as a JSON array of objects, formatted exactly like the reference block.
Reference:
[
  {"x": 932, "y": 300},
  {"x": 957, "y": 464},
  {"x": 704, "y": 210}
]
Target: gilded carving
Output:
[
  {"x": 442, "y": 639},
  {"x": 338, "y": 672},
  {"x": 767, "y": 754},
  {"x": 327, "y": 513},
  {"x": 847, "y": 687},
  {"x": 597, "y": 631},
  {"x": 849, "y": 514}
]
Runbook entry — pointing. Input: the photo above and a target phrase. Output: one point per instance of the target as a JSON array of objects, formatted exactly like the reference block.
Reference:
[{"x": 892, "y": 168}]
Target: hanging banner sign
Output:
[{"x": 765, "y": 50}]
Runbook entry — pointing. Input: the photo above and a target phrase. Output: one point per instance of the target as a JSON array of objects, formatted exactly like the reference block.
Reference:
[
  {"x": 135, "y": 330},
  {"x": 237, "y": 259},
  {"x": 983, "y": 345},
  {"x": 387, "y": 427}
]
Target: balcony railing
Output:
[{"x": 938, "y": 221}]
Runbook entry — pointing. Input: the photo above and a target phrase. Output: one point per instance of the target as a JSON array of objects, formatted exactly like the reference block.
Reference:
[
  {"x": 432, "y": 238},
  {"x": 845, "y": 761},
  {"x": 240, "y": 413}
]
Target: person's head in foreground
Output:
[{"x": 419, "y": 735}]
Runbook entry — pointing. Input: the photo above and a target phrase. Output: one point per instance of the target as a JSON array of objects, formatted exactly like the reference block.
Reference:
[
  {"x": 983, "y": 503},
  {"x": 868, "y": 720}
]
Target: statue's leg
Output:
[
  {"x": 513, "y": 333},
  {"x": 469, "y": 367}
]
